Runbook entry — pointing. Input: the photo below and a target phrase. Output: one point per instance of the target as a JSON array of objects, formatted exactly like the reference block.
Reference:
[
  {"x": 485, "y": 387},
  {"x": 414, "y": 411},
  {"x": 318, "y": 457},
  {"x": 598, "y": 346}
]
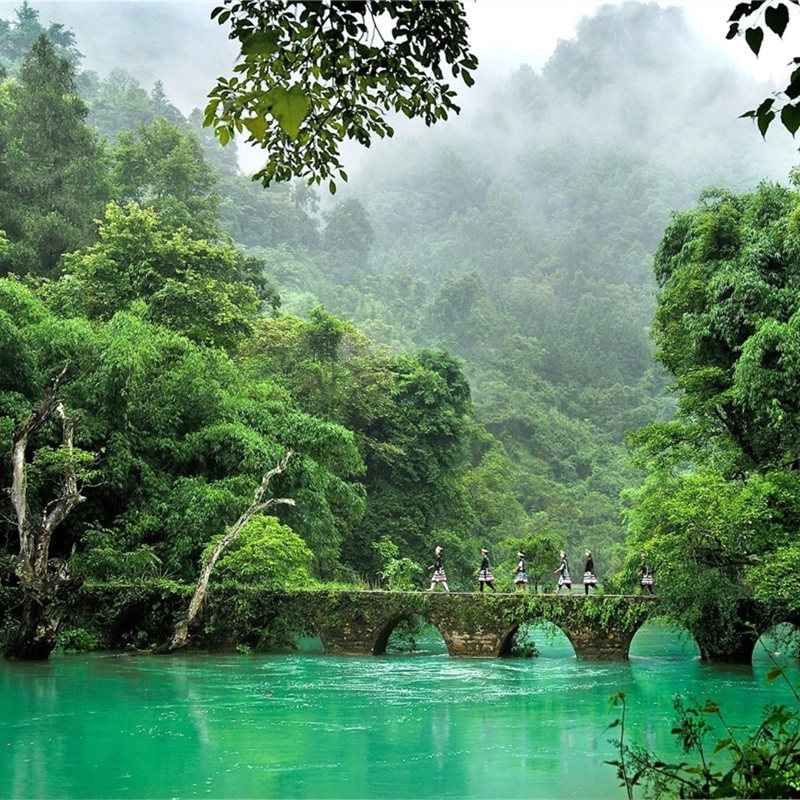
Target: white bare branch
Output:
[{"x": 180, "y": 636}]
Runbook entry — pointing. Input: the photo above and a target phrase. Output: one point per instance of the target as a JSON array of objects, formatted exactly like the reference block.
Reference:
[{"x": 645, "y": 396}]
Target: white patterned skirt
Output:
[
  {"x": 589, "y": 579},
  {"x": 439, "y": 576},
  {"x": 485, "y": 576}
]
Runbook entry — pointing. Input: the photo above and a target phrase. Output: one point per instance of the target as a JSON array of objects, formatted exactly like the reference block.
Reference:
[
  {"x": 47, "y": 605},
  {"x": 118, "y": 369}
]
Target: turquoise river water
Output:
[{"x": 307, "y": 725}]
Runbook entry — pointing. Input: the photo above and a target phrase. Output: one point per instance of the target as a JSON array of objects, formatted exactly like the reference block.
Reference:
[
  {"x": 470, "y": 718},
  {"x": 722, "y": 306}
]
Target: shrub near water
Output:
[
  {"x": 762, "y": 761},
  {"x": 265, "y": 552}
]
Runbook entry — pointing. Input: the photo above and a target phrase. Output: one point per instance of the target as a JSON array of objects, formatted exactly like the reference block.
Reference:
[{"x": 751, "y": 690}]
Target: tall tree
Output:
[
  {"x": 52, "y": 171},
  {"x": 17, "y": 38},
  {"x": 719, "y": 511},
  {"x": 45, "y": 582},
  {"x": 161, "y": 165},
  {"x": 187, "y": 284}
]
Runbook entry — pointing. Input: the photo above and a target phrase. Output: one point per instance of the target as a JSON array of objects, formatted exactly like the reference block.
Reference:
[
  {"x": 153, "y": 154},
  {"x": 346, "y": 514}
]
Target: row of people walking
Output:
[{"x": 520, "y": 573}]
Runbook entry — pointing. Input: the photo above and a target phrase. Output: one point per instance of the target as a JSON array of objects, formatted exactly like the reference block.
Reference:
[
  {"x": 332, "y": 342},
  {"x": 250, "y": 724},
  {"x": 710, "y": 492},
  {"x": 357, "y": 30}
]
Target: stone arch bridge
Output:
[
  {"x": 473, "y": 625},
  {"x": 483, "y": 625}
]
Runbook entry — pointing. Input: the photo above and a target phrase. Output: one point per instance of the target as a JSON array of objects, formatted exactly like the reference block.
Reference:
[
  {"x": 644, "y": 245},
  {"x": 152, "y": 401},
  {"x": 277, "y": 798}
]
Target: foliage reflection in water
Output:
[{"x": 308, "y": 725}]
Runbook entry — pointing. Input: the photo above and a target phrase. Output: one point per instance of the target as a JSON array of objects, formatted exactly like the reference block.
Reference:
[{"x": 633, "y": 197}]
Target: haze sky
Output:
[{"x": 503, "y": 33}]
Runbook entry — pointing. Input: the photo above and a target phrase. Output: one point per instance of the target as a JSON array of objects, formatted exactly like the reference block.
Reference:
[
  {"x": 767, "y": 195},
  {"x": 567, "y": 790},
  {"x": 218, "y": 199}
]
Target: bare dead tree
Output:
[
  {"x": 180, "y": 637},
  {"x": 45, "y": 582}
]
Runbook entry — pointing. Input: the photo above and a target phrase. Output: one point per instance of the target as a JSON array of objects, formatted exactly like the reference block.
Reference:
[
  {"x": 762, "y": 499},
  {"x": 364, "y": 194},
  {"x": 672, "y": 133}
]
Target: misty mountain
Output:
[{"x": 518, "y": 236}]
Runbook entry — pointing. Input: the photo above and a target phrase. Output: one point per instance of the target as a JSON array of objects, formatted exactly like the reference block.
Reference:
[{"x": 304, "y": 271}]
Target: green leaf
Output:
[
  {"x": 754, "y": 37},
  {"x": 257, "y": 126},
  {"x": 793, "y": 89},
  {"x": 765, "y": 106},
  {"x": 261, "y": 43},
  {"x": 790, "y": 117},
  {"x": 764, "y": 121},
  {"x": 777, "y": 18},
  {"x": 289, "y": 107},
  {"x": 722, "y": 744},
  {"x": 776, "y": 672},
  {"x": 741, "y": 10}
]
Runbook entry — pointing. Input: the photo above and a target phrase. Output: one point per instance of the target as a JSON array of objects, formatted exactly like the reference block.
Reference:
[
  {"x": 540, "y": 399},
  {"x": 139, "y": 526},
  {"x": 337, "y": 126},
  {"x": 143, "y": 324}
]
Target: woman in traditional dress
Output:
[
  {"x": 438, "y": 570},
  {"x": 589, "y": 578},
  {"x": 564, "y": 578},
  {"x": 520, "y": 573},
  {"x": 646, "y": 572},
  {"x": 485, "y": 577}
]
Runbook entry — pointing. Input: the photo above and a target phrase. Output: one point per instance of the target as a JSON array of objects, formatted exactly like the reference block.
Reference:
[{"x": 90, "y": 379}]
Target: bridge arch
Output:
[
  {"x": 542, "y": 624},
  {"x": 384, "y": 631},
  {"x": 474, "y": 625},
  {"x": 661, "y": 637}
]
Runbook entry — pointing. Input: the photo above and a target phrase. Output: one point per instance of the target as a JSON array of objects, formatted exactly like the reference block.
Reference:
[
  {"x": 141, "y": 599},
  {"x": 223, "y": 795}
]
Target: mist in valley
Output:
[{"x": 518, "y": 236}]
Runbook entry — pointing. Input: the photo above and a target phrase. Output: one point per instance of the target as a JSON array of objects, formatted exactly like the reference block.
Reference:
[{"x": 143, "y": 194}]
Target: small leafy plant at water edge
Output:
[
  {"x": 764, "y": 762},
  {"x": 78, "y": 640}
]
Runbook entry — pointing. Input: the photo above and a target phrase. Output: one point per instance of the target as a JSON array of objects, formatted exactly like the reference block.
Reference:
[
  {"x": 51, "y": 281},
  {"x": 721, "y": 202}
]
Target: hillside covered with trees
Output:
[{"x": 453, "y": 346}]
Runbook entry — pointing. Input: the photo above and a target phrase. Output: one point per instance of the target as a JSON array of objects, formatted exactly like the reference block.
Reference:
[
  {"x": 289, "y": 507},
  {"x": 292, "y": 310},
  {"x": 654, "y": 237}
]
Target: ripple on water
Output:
[{"x": 328, "y": 727}]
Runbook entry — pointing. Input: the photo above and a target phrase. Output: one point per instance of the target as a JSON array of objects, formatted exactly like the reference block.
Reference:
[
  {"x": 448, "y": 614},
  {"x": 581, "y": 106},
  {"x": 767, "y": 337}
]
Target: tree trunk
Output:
[
  {"x": 45, "y": 582},
  {"x": 180, "y": 636},
  {"x": 37, "y": 632}
]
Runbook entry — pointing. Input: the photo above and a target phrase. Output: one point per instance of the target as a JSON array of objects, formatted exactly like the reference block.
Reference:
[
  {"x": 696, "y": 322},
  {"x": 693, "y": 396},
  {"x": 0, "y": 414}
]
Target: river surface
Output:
[{"x": 314, "y": 726}]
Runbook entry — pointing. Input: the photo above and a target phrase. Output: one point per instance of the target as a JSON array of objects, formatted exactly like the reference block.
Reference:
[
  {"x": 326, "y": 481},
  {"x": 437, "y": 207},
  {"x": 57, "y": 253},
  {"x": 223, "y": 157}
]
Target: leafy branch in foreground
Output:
[
  {"x": 312, "y": 75},
  {"x": 765, "y": 762},
  {"x": 747, "y": 20}
]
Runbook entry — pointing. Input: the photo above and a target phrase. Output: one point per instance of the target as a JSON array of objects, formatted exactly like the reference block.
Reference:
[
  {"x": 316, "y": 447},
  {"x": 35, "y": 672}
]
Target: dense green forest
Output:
[{"x": 454, "y": 347}]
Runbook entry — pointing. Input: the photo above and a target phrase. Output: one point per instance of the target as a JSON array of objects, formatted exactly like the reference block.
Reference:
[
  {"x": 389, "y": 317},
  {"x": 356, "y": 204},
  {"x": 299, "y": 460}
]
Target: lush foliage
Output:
[
  {"x": 719, "y": 511},
  {"x": 53, "y": 180},
  {"x": 457, "y": 348},
  {"x": 18, "y": 35},
  {"x": 187, "y": 383},
  {"x": 266, "y": 553}
]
